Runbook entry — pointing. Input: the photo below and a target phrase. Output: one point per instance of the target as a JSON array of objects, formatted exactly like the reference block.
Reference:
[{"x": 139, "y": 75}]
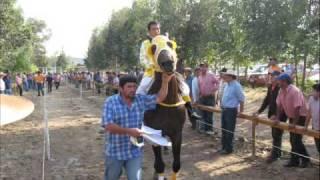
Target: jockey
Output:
[{"x": 147, "y": 61}]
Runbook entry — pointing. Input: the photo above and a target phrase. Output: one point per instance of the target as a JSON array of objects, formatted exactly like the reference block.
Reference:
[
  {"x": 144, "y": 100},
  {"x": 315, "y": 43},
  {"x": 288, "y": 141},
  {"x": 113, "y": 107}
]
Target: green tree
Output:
[
  {"x": 62, "y": 60},
  {"x": 20, "y": 40}
]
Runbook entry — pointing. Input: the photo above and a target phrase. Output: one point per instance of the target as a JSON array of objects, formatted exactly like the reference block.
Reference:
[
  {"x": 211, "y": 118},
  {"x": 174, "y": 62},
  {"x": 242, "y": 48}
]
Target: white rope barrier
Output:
[
  {"x": 46, "y": 134},
  {"x": 236, "y": 135},
  {"x": 43, "y": 158}
]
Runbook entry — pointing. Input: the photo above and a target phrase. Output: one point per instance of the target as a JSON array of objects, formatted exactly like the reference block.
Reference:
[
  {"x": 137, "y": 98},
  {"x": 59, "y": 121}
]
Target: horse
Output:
[{"x": 170, "y": 115}]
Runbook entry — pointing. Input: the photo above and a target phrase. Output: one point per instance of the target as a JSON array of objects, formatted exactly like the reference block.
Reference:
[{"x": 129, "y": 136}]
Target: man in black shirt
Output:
[
  {"x": 49, "y": 81},
  {"x": 270, "y": 101}
]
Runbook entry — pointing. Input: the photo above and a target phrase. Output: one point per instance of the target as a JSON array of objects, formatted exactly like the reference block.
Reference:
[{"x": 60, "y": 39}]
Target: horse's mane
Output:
[{"x": 174, "y": 87}]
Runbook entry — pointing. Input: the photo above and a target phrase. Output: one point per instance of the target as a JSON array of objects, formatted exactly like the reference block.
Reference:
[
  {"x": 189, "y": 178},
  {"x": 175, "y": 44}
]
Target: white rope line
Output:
[
  {"x": 314, "y": 159},
  {"x": 46, "y": 134},
  {"x": 44, "y": 138},
  {"x": 43, "y": 157}
]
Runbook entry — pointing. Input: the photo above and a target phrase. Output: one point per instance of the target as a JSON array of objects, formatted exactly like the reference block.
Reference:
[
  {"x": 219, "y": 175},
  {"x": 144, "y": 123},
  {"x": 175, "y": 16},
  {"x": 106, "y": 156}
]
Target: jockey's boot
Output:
[{"x": 193, "y": 116}]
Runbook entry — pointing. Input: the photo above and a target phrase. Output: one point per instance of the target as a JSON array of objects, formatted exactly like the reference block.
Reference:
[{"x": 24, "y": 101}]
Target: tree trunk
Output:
[
  {"x": 304, "y": 69},
  {"x": 246, "y": 72},
  {"x": 296, "y": 65}
]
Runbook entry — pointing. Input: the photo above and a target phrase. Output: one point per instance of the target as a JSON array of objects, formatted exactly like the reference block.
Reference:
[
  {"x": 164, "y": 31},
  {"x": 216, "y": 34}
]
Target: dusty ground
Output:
[{"x": 77, "y": 146}]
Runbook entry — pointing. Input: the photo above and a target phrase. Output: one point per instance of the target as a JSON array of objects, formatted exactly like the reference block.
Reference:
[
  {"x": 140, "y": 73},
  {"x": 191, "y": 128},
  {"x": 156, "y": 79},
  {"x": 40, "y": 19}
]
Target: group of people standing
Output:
[
  {"x": 286, "y": 101},
  {"x": 209, "y": 90},
  {"x": 283, "y": 100},
  {"x": 97, "y": 80},
  {"x": 28, "y": 81}
]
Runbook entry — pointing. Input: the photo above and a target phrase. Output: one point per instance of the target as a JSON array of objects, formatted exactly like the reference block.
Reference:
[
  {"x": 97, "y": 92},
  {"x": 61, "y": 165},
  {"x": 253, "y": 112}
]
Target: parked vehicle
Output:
[
  {"x": 258, "y": 75},
  {"x": 314, "y": 74}
]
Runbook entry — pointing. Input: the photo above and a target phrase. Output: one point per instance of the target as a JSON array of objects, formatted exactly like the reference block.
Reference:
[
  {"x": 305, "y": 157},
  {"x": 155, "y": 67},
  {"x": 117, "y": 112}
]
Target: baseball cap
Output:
[
  {"x": 284, "y": 77},
  {"x": 275, "y": 73}
]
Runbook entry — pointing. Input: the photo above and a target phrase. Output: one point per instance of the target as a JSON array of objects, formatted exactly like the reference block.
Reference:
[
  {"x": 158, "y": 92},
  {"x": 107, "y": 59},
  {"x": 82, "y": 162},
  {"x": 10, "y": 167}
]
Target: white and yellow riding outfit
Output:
[{"x": 149, "y": 62}]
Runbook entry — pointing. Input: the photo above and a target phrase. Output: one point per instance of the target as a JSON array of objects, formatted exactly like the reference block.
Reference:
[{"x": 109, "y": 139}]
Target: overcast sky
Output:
[{"x": 71, "y": 21}]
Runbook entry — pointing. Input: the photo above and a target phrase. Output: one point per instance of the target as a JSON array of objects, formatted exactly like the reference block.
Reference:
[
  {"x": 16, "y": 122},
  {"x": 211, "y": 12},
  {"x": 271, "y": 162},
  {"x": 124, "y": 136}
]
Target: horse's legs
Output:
[
  {"x": 176, "y": 150},
  {"x": 158, "y": 163}
]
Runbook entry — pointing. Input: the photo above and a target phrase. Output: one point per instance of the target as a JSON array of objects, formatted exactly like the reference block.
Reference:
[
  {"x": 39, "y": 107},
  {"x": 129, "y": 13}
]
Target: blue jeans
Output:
[
  {"x": 30, "y": 84},
  {"x": 207, "y": 117},
  {"x": 113, "y": 168},
  {"x": 8, "y": 91},
  {"x": 25, "y": 86},
  {"x": 40, "y": 89},
  {"x": 228, "y": 125}
]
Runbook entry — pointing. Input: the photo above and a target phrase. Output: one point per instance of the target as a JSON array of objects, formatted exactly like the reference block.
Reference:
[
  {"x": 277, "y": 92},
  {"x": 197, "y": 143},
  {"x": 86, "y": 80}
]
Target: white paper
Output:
[
  {"x": 149, "y": 130},
  {"x": 154, "y": 136}
]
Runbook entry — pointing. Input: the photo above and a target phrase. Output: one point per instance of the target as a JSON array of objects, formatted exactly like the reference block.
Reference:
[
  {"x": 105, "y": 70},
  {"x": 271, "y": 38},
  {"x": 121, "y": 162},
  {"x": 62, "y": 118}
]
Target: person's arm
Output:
[
  {"x": 116, "y": 129},
  {"x": 142, "y": 54},
  {"x": 241, "y": 107},
  {"x": 164, "y": 87},
  {"x": 265, "y": 103},
  {"x": 215, "y": 84},
  {"x": 298, "y": 103},
  {"x": 296, "y": 117},
  {"x": 109, "y": 124},
  {"x": 193, "y": 90},
  {"x": 308, "y": 118},
  {"x": 279, "y": 112},
  {"x": 241, "y": 97},
  {"x": 279, "y": 109}
]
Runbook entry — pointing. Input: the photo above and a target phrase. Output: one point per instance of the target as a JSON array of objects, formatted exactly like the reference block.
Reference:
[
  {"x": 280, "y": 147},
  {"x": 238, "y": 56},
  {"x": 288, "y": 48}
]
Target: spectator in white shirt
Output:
[
  {"x": 2, "y": 84},
  {"x": 313, "y": 112},
  {"x": 195, "y": 85},
  {"x": 222, "y": 84}
]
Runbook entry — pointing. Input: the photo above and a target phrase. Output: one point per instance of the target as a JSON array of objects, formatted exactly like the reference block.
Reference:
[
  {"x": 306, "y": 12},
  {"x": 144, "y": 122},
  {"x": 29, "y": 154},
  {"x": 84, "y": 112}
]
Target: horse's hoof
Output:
[
  {"x": 156, "y": 176},
  {"x": 174, "y": 176},
  {"x": 165, "y": 150}
]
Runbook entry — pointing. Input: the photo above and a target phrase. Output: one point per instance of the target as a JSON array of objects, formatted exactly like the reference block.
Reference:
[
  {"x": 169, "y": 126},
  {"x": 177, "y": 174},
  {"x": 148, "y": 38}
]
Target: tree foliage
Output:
[
  {"x": 20, "y": 39},
  {"x": 62, "y": 61},
  {"x": 222, "y": 32}
]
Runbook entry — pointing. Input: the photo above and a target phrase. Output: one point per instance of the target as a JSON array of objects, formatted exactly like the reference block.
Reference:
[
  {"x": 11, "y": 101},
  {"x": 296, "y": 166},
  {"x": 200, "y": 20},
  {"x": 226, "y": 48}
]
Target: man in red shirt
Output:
[
  {"x": 291, "y": 102},
  {"x": 208, "y": 85}
]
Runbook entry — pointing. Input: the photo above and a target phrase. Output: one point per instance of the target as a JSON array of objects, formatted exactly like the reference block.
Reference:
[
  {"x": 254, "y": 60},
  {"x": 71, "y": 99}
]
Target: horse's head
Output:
[{"x": 163, "y": 54}]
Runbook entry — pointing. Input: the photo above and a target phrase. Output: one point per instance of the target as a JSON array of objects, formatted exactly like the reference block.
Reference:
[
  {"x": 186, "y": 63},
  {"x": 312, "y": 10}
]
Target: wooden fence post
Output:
[{"x": 254, "y": 125}]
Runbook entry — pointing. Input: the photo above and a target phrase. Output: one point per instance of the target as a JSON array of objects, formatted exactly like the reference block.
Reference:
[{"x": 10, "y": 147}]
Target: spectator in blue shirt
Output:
[
  {"x": 195, "y": 85},
  {"x": 232, "y": 97},
  {"x": 8, "y": 83},
  {"x": 189, "y": 78},
  {"x": 122, "y": 117}
]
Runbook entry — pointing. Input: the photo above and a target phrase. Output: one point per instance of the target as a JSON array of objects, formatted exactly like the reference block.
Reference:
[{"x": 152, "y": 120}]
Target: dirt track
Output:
[{"x": 77, "y": 146}]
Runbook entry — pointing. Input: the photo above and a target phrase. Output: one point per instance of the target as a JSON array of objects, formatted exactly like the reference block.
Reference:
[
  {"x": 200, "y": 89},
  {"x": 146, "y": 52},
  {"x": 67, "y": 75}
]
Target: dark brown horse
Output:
[{"x": 171, "y": 114}]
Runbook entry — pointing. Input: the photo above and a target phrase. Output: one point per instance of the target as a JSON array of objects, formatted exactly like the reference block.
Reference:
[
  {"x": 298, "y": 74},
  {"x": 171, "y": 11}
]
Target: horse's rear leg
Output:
[
  {"x": 158, "y": 163},
  {"x": 176, "y": 150}
]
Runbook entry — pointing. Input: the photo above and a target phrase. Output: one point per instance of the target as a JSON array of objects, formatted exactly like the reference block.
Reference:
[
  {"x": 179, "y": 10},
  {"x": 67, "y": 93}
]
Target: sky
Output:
[{"x": 71, "y": 21}]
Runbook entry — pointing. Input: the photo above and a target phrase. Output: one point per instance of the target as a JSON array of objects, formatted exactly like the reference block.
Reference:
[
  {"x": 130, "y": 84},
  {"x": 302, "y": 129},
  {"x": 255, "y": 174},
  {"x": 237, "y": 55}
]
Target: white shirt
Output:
[
  {"x": 2, "y": 85},
  {"x": 144, "y": 61},
  {"x": 314, "y": 107},
  {"x": 115, "y": 81},
  {"x": 222, "y": 85},
  {"x": 195, "y": 89}
]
